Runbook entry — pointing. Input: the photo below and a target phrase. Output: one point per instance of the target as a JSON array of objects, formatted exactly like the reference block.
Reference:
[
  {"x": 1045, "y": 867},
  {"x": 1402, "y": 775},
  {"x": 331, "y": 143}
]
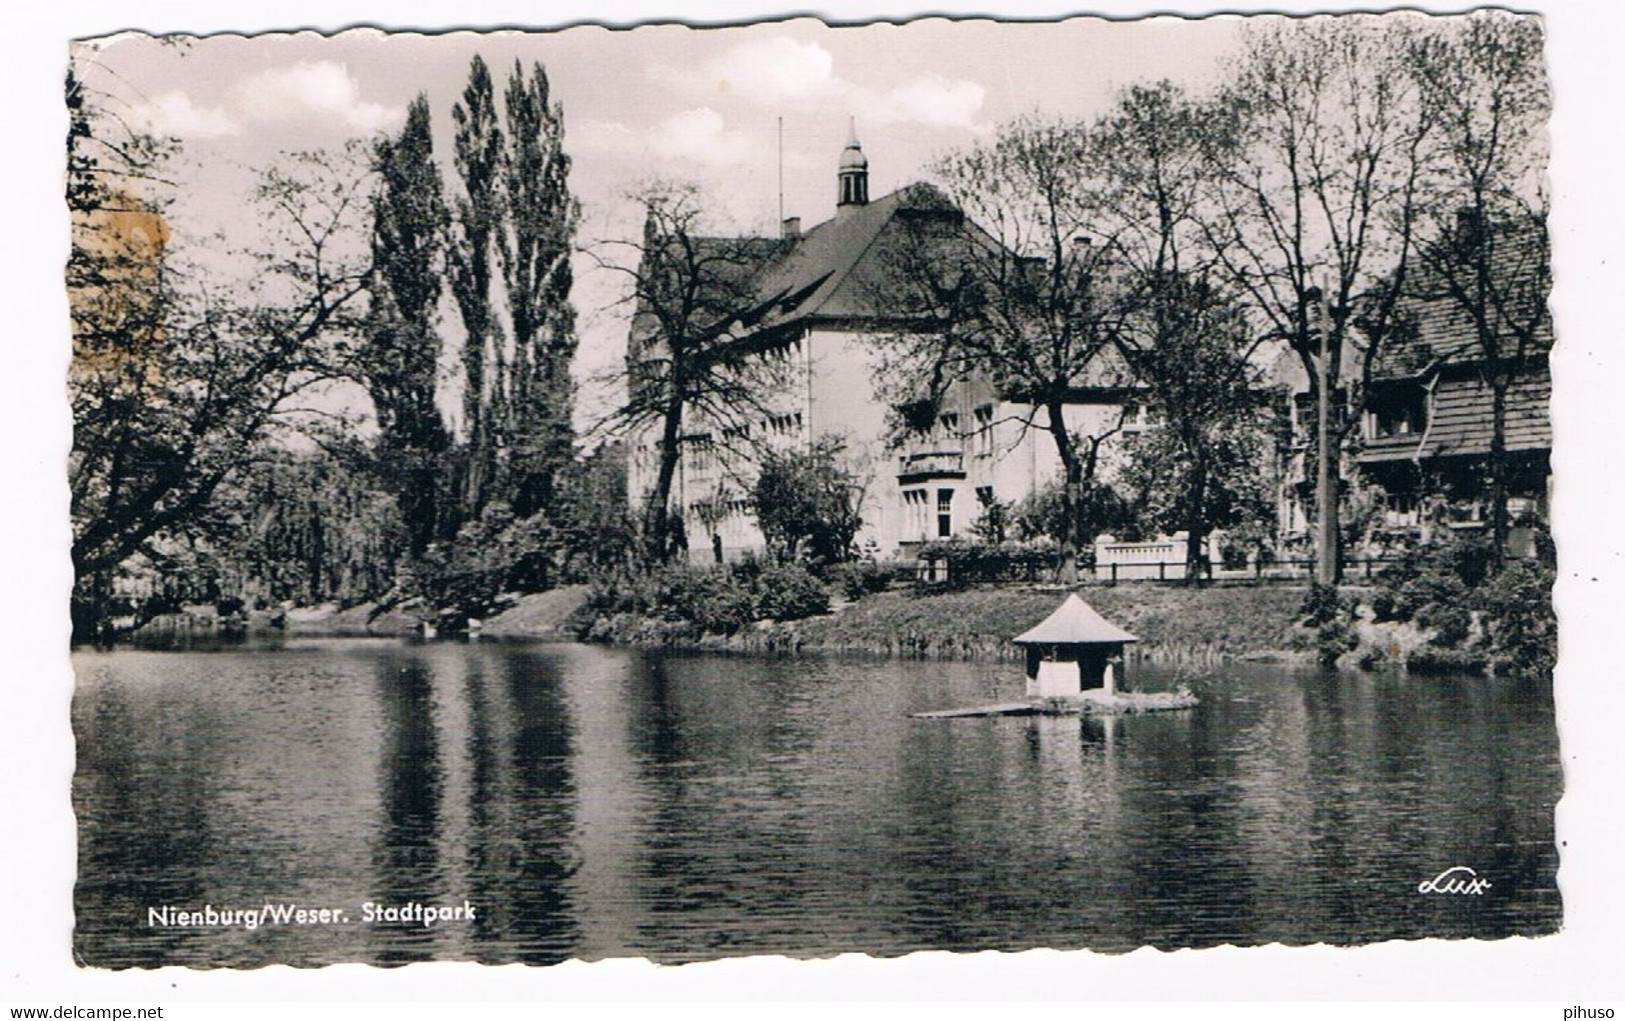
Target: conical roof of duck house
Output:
[{"x": 1075, "y": 622}]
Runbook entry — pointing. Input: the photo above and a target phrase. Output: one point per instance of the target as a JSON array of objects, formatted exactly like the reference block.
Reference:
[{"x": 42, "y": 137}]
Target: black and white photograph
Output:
[{"x": 798, "y": 486}]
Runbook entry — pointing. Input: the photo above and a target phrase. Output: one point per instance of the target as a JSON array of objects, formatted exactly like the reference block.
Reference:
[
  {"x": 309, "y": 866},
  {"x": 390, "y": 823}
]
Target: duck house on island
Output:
[{"x": 1074, "y": 650}]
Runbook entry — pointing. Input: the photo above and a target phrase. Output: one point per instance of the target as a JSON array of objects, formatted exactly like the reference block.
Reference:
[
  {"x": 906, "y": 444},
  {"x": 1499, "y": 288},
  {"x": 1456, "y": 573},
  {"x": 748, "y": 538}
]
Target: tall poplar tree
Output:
[
  {"x": 403, "y": 347},
  {"x": 540, "y": 235},
  {"x": 473, "y": 264},
  {"x": 511, "y": 277}
]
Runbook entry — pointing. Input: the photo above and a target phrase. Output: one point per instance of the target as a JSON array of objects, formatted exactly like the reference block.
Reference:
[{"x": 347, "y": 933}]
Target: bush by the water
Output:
[
  {"x": 1331, "y": 615},
  {"x": 714, "y": 600},
  {"x": 1519, "y": 620},
  {"x": 1476, "y": 619}
]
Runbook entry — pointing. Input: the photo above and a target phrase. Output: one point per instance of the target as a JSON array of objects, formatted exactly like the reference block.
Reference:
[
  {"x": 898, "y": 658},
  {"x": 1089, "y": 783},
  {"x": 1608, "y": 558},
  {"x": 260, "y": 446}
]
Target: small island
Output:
[{"x": 1074, "y": 664}]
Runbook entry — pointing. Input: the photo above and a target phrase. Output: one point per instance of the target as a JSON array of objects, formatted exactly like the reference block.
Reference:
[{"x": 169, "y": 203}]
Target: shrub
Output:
[
  {"x": 1519, "y": 622},
  {"x": 1333, "y": 639},
  {"x": 1452, "y": 623},
  {"x": 866, "y": 577},
  {"x": 1322, "y": 605},
  {"x": 969, "y": 562},
  {"x": 788, "y": 592},
  {"x": 721, "y": 605}
]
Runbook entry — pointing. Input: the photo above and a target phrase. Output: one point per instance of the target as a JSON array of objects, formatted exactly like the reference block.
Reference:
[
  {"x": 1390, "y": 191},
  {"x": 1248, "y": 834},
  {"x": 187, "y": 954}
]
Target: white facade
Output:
[{"x": 921, "y": 487}]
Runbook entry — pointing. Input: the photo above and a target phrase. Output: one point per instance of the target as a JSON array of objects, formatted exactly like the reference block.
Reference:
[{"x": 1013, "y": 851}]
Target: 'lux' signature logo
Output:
[{"x": 1456, "y": 879}]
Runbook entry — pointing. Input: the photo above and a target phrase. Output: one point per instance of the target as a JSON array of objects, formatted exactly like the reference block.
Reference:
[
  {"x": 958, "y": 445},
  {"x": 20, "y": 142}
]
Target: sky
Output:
[{"x": 659, "y": 101}]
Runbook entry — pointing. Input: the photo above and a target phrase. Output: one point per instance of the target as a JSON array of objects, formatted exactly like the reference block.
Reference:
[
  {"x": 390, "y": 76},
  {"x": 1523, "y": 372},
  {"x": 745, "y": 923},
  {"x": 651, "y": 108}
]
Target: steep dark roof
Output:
[
  {"x": 824, "y": 273},
  {"x": 1437, "y": 328}
]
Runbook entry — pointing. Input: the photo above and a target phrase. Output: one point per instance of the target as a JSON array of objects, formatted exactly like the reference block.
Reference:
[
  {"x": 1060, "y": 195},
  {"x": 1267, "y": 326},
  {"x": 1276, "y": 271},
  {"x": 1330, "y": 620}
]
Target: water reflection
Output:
[{"x": 602, "y": 802}]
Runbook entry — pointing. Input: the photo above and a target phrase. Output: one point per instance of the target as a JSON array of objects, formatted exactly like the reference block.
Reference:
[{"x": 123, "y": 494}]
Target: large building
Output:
[{"x": 822, "y": 311}]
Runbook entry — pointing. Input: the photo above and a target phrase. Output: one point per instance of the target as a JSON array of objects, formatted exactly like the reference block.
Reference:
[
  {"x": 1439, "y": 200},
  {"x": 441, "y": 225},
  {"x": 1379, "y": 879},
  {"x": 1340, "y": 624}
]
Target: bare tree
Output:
[
  {"x": 691, "y": 362},
  {"x": 1487, "y": 256},
  {"x": 1319, "y": 198}
]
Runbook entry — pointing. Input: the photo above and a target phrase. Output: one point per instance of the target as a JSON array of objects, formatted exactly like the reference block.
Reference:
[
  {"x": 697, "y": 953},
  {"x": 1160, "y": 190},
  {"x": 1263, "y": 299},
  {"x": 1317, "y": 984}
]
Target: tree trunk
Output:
[
  {"x": 1071, "y": 491},
  {"x": 1500, "y": 383},
  {"x": 1195, "y": 526},
  {"x": 656, "y": 518}
]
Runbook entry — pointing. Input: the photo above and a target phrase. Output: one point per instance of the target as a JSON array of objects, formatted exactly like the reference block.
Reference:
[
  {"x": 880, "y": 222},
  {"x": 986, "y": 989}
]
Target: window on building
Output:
[
  {"x": 984, "y": 430},
  {"x": 1398, "y": 413},
  {"x": 914, "y": 513},
  {"x": 1140, "y": 417},
  {"x": 701, "y": 453},
  {"x": 948, "y": 426},
  {"x": 945, "y": 513}
]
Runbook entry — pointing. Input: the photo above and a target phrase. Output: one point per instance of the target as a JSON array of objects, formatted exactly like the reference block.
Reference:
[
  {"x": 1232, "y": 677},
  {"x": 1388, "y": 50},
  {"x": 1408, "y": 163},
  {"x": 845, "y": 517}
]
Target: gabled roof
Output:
[
  {"x": 1074, "y": 622},
  {"x": 771, "y": 283},
  {"x": 824, "y": 273}
]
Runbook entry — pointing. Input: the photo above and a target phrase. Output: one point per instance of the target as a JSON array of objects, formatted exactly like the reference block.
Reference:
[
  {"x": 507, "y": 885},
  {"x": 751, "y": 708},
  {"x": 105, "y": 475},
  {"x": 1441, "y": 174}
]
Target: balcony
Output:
[{"x": 917, "y": 466}]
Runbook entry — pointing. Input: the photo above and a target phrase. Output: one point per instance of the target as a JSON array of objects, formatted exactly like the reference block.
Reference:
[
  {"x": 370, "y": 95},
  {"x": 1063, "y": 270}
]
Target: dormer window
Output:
[{"x": 1397, "y": 413}]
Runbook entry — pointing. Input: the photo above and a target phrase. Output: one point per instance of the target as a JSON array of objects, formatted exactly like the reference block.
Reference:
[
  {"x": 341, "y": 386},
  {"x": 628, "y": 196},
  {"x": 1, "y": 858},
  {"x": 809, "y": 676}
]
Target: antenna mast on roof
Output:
[{"x": 781, "y": 169}]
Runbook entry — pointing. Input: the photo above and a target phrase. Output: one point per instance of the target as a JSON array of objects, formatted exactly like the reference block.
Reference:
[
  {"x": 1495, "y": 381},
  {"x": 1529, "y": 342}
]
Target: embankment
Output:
[{"x": 1173, "y": 623}]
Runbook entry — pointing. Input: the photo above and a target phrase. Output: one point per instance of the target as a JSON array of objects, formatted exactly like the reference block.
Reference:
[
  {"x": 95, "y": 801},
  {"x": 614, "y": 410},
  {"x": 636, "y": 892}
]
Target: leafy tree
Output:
[
  {"x": 595, "y": 529},
  {"x": 1042, "y": 514},
  {"x": 1013, "y": 291},
  {"x": 311, "y": 527},
  {"x": 541, "y": 220},
  {"x": 515, "y": 227},
  {"x": 174, "y": 388},
  {"x": 808, "y": 503},
  {"x": 474, "y": 264},
  {"x": 400, "y": 357},
  {"x": 1200, "y": 468}
]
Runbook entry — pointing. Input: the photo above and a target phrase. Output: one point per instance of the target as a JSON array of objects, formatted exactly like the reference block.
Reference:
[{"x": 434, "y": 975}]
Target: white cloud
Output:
[
  {"x": 780, "y": 73},
  {"x": 776, "y": 71},
  {"x": 174, "y": 115},
  {"x": 610, "y": 137},
  {"x": 323, "y": 88},
  {"x": 932, "y": 100},
  {"x": 698, "y": 136}
]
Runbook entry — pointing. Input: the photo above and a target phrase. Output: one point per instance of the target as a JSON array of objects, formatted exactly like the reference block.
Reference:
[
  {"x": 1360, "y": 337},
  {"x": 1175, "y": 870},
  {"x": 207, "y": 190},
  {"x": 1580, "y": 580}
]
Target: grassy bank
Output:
[{"x": 1173, "y": 622}]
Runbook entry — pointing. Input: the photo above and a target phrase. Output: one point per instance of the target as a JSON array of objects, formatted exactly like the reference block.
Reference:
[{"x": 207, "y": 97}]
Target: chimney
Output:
[{"x": 790, "y": 229}]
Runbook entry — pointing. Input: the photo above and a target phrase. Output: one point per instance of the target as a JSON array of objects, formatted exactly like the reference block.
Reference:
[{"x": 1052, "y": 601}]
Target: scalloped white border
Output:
[{"x": 37, "y": 866}]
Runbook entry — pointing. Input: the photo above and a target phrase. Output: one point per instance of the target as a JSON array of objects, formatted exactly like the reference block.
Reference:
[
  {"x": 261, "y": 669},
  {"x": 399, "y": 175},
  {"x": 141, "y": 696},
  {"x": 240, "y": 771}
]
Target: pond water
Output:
[{"x": 602, "y": 802}]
